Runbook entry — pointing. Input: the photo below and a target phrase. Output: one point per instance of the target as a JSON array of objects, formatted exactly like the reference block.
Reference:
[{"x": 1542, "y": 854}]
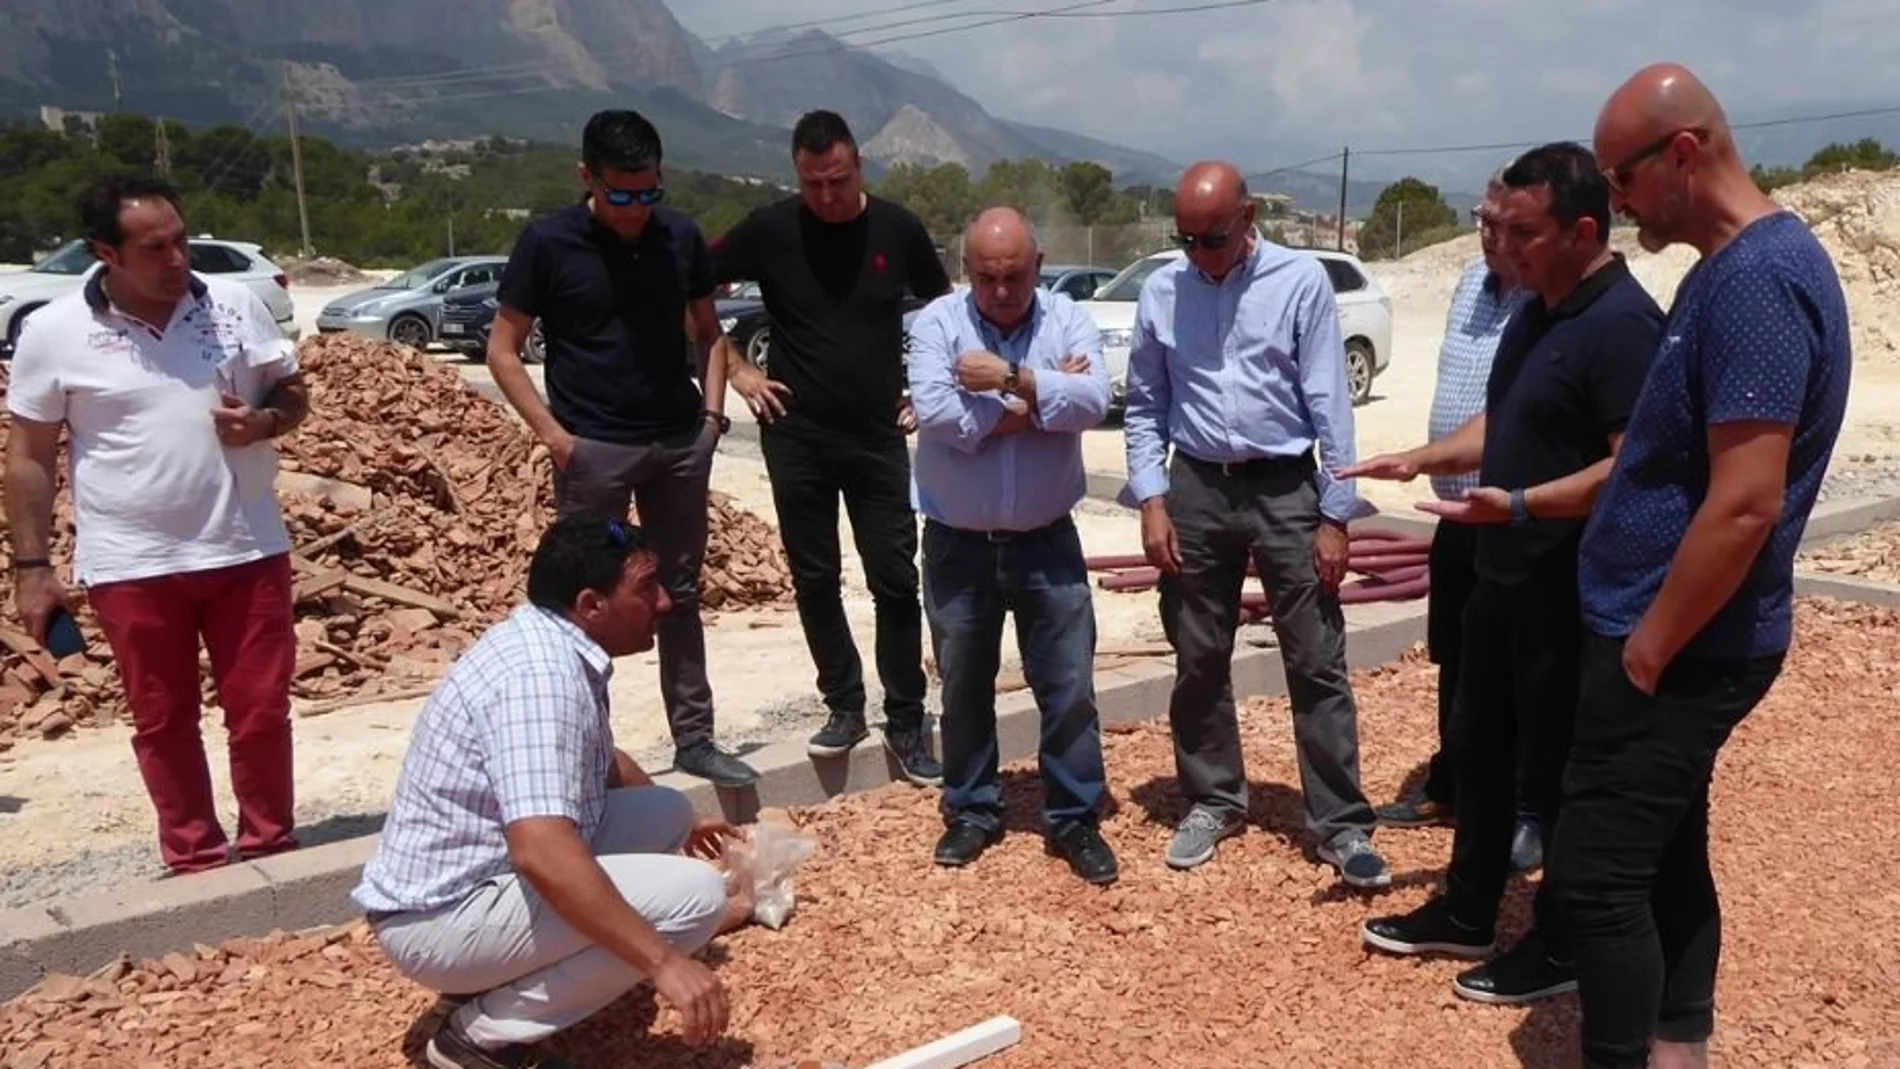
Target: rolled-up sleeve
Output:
[
  {"x": 1073, "y": 402},
  {"x": 1328, "y": 397},
  {"x": 1145, "y": 416},
  {"x": 945, "y": 413}
]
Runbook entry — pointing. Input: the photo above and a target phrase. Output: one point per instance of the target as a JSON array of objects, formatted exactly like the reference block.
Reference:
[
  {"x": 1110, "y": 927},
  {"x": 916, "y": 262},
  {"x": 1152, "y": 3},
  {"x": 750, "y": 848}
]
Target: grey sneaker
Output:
[
  {"x": 1196, "y": 836},
  {"x": 1358, "y": 863}
]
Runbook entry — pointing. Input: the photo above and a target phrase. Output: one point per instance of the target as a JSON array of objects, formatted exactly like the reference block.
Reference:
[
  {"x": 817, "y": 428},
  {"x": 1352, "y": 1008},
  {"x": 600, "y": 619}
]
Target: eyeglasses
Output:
[
  {"x": 1619, "y": 175},
  {"x": 620, "y": 198},
  {"x": 1211, "y": 242}
]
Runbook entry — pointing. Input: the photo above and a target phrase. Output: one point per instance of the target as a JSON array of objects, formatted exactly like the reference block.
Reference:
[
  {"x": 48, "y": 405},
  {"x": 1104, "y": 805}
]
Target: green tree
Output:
[
  {"x": 1088, "y": 191},
  {"x": 942, "y": 196},
  {"x": 1867, "y": 154},
  {"x": 1407, "y": 206},
  {"x": 1769, "y": 179}
]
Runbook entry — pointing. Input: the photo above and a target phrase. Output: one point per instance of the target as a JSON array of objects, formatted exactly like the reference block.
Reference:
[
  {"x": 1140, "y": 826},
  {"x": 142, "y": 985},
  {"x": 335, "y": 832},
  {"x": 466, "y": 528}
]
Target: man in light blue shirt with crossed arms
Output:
[{"x": 1004, "y": 379}]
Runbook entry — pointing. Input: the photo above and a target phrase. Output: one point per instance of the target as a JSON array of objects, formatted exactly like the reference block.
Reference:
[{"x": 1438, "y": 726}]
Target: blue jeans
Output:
[{"x": 970, "y": 581}]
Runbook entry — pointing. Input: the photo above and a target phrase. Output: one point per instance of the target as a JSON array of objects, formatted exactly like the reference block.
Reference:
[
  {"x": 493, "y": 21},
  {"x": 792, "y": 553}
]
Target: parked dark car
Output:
[
  {"x": 468, "y": 313},
  {"x": 742, "y": 317}
]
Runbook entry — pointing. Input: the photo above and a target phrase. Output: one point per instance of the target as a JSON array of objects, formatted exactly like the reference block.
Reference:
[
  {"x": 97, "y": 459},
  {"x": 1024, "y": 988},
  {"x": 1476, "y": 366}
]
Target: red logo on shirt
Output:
[{"x": 877, "y": 263}]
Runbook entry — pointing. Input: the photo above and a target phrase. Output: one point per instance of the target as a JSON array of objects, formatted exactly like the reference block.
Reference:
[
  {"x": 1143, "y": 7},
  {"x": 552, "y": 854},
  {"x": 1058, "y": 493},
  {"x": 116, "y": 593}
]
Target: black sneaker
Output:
[
  {"x": 450, "y": 1048},
  {"x": 1417, "y": 811},
  {"x": 914, "y": 760},
  {"x": 842, "y": 732},
  {"x": 709, "y": 762},
  {"x": 1429, "y": 929},
  {"x": 964, "y": 842},
  {"x": 1087, "y": 853},
  {"x": 1524, "y": 973}
]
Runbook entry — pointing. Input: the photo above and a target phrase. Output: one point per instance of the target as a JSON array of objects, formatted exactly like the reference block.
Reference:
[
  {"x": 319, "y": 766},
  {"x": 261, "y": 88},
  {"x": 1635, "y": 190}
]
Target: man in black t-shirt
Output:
[
  {"x": 833, "y": 265},
  {"x": 1568, "y": 371},
  {"x": 612, "y": 280}
]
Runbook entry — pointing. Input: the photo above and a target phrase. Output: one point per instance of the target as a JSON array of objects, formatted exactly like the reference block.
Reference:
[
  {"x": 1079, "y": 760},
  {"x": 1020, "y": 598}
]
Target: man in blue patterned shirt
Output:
[
  {"x": 1482, "y": 304},
  {"x": 529, "y": 869},
  {"x": 1238, "y": 366}
]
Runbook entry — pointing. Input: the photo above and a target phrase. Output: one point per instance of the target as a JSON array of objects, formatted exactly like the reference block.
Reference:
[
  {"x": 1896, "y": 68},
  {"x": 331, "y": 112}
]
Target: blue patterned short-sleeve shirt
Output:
[{"x": 1758, "y": 333}]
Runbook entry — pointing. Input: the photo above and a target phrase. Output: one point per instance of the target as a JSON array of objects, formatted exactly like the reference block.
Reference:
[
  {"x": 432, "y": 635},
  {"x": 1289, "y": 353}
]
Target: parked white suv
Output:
[
  {"x": 1365, "y": 318},
  {"x": 66, "y": 268}
]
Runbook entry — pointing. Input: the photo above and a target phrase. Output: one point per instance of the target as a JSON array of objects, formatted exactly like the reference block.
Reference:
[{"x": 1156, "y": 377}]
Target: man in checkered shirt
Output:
[
  {"x": 1486, "y": 295},
  {"x": 528, "y": 869}
]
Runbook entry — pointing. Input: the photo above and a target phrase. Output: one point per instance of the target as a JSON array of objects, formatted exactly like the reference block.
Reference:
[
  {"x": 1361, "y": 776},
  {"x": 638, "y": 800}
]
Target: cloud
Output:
[{"x": 1267, "y": 83}]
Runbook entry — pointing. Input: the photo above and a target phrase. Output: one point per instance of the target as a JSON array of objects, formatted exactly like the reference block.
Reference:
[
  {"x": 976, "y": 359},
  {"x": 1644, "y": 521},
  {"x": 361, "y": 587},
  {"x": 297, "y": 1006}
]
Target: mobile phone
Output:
[{"x": 63, "y": 638}]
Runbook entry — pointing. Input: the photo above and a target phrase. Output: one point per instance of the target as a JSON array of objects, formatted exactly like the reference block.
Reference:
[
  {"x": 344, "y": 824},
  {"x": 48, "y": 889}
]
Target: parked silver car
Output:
[{"x": 408, "y": 308}]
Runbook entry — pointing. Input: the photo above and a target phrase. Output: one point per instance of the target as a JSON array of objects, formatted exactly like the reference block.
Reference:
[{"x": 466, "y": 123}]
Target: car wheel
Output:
[
  {"x": 536, "y": 351},
  {"x": 758, "y": 348},
  {"x": 1359, "y": 371},
  {"x": 410, "y": 330}
]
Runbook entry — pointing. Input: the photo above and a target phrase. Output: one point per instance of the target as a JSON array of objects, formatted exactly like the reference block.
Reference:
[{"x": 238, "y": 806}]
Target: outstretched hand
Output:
[{"x": 1483, "y": 504}]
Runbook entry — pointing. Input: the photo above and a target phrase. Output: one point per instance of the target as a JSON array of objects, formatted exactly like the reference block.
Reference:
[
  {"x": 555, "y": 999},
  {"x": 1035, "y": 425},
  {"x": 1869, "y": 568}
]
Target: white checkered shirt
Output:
[
  {"x": 1480, "y": 308},
  {"x": 518, "y": 728}
]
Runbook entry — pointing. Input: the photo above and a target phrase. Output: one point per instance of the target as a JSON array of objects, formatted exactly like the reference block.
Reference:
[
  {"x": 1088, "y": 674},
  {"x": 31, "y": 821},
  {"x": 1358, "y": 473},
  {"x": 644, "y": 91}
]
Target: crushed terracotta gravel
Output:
[
  {"x": 1872, "y": 554},
  {"x": 1253, "y": 960},
  {"x": 415, "y": 503}
]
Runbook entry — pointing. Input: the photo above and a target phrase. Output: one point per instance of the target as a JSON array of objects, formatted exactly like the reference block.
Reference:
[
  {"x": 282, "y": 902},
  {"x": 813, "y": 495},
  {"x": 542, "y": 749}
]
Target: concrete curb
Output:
[
  {"x": 308, "y": 888},
  {"x": 1847, "y": 588},
  {"x": 1844, "y": 519}
]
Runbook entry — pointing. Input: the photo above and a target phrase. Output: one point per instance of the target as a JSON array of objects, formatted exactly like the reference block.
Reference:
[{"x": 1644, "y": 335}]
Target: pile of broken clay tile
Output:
[{"x": 414, "y": 503}]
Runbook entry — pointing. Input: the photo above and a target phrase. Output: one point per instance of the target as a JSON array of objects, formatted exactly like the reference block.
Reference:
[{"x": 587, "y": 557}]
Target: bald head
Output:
[
  {"x": 1214, "y": 216},
  {"x": 1003, "y": 264},
  {"x": 1653, "y": 103},
  {"x": 1211, "y": 186}
]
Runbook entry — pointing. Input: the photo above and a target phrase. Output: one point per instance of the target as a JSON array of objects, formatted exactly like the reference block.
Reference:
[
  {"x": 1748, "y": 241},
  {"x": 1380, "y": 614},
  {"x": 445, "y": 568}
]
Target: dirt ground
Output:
[
  {"x": 1873, "y": 554},
  {"x": 1253, "y": 960}
]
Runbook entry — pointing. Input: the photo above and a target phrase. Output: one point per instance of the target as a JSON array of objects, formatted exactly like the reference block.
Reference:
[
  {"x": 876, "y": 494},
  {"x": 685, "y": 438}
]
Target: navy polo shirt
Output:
[
  {"x": 1758, "y": 333},
  {"x": 613, "y": 313},
  {"x": 1564, "y": 380}
]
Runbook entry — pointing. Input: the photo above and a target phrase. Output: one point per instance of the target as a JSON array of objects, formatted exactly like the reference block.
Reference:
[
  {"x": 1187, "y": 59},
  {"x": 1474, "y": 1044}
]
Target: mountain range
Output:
[{"x": 370, "y": 72}]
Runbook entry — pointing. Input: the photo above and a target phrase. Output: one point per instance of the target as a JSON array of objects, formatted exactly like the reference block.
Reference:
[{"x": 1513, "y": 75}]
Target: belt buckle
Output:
[
  {"x": 997, "y": 538},
  {"x": 1230, "y": 468}
]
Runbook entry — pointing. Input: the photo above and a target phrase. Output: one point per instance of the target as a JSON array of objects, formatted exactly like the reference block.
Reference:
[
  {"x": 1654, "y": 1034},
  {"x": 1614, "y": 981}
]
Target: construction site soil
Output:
[{"x": 1254, "y": 959}]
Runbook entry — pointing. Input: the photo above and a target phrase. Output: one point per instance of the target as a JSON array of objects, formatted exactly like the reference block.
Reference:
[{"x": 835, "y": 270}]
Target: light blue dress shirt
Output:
[
  {"x": 962, "y": 476},
  {"x": 1252, "y": 366},
  {"x": 1481, "y": 306}
]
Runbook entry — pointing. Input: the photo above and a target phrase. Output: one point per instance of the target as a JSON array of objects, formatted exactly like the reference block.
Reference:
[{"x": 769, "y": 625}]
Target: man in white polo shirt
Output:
[{"x": 171, "y": 387}]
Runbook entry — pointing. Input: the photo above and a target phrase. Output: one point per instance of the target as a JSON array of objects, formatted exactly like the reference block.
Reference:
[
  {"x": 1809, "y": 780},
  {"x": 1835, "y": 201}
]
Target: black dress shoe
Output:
[
  {"x": 1524, "y": 973},
  {"x": 709, "y": 762},
  {"x": 964, "y": 842},
  {"x": 1086, "y": 851}
]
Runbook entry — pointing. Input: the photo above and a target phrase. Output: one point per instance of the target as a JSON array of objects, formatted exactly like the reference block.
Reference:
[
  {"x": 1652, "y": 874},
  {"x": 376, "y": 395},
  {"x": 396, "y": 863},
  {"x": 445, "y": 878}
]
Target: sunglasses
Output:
[
  {"x": 1619, "y": 175},
  {"x": 625, "y": 536},
  {"x": 621, "y": 198},
  {"x": 1211, "y": 242}
]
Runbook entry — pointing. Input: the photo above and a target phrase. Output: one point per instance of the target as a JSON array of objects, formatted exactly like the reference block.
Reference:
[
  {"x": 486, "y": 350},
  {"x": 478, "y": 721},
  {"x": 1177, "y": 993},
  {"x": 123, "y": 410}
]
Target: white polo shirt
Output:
[{"x": 154, "y": 491}]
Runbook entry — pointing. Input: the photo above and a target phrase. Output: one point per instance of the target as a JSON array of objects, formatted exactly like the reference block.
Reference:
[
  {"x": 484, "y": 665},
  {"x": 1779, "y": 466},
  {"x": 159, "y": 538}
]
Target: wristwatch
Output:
[
  {"x": 723, "y": 421},
  {"x": 1520, "y": 511},
  {"x": 1009, "y": 380}
]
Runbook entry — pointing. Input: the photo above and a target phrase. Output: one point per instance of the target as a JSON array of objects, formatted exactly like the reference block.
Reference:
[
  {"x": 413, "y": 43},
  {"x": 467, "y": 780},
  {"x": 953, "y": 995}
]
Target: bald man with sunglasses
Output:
[{"x": 1238, "y": 365}]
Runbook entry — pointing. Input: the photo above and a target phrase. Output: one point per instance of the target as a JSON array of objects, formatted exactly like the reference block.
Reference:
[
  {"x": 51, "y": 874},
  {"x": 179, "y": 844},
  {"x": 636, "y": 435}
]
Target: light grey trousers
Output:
[{"x": 528, "y": 974}]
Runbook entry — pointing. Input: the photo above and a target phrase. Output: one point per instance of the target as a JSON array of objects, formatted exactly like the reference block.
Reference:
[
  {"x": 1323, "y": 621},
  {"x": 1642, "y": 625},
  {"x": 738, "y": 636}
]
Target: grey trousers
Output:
[
  {"x": 667, "y": 484},
  {"x": 1267, "y": 512},
  {"x": 530, "y": 973}
]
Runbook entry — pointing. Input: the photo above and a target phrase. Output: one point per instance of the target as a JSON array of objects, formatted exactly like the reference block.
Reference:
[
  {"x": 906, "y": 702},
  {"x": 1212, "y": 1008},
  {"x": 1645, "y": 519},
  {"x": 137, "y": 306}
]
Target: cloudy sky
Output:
[{"x": 1273, "y": 82}]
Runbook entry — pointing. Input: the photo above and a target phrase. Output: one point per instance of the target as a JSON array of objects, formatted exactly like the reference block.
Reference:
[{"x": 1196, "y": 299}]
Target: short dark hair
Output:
[
  {"x": 620, "y": 140},
  {"x": 818, "y": 130},
  {"x": 1577, "y": 187},
  {"x": 101, "y": 202},
  {"x": 579, "y": 553}
]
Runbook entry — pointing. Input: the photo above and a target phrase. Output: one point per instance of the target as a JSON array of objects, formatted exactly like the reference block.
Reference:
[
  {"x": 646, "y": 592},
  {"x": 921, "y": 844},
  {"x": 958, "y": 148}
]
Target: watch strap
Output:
[{"x": 1520, "y": 509}]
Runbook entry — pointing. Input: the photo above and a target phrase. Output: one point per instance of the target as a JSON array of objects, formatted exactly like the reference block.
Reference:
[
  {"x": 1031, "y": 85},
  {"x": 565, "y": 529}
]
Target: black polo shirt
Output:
[
  {"x": 1564, "y": 379},
  {"x": 613, "y": 313}
]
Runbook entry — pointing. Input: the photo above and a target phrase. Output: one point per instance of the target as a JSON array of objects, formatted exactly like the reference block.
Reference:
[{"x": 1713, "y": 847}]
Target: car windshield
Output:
[
  {"x": 417, "y": 277},
  {"x": 1127, "y": 285},
  {"x": 72, "y": 258}
]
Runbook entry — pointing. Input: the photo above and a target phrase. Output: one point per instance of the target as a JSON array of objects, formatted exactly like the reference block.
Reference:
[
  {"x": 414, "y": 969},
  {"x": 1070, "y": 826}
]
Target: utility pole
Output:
[
  {"x": 451, "y": 233},
  {"x": 296, "y": 162},
  {"x": 112, "y": 72},
  {"x": 1345, "y": 162},
  {"x": 1399, "y": 249},
  {"x": 162, "y": 154}
]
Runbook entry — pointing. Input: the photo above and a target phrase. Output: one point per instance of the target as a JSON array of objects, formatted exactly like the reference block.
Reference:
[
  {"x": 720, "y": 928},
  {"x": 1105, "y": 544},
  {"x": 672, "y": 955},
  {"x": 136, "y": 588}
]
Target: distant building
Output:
[
  {"x": 1273, "y": 204},
  {"x": 62, "y": 121}
]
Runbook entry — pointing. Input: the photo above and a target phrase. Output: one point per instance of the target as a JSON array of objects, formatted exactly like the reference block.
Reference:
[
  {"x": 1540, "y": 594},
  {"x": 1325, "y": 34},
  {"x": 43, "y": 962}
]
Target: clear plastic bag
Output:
[{"x": 762, "y": 863}]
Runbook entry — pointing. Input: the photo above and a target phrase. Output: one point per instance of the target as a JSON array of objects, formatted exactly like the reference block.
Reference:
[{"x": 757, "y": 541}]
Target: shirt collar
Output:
[
  {"x": 1587, "y": 291},
  {"x": 1245, "y": 267},
  {"x": 1026, "y": 328},
  {"x": 95, "y": 290},
  {"x": 592, "y": 655}
]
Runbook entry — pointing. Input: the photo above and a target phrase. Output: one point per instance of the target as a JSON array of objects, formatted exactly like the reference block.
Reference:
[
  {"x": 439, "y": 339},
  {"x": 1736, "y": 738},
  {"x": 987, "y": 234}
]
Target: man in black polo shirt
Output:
[
  {"x": 833, "y": 264},
  {"x": 612, "y": 279},
  {"x": 1567, "y": 374}
]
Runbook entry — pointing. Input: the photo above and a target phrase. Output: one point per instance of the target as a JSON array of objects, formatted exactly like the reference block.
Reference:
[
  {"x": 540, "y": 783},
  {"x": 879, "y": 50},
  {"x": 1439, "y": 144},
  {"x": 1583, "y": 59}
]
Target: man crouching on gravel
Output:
[{"x": 529, "y": 868}]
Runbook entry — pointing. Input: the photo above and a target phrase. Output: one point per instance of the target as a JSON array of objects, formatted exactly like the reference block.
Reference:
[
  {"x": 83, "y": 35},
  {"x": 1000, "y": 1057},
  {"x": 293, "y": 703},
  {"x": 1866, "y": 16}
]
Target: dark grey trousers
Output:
[
  {"x": 667, "y": 482},
  {"x": 1268, "y": 512}
]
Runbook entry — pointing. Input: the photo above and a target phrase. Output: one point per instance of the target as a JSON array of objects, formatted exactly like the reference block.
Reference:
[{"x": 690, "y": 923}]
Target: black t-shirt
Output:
[
  {"x": 834, "y": 297},
  {"x": 1563, "y": 381},
  {"x": 613, "y": 313}
]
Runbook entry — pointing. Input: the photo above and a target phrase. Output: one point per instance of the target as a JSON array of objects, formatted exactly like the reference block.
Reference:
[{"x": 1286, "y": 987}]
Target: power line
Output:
[{"x": 1499, "y": 146}]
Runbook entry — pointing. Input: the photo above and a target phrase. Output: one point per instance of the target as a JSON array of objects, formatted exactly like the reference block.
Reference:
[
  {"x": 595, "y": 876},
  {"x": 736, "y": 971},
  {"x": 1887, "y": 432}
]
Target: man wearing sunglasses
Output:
[
  {"x": 1687, "y": 565},
  {"x": 1239, "y": 366},
  {"x": 612, "y": 279}
]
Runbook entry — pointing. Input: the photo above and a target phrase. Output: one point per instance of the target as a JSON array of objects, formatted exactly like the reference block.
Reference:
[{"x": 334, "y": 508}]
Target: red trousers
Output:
[{"x": 244, "y": 614}]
